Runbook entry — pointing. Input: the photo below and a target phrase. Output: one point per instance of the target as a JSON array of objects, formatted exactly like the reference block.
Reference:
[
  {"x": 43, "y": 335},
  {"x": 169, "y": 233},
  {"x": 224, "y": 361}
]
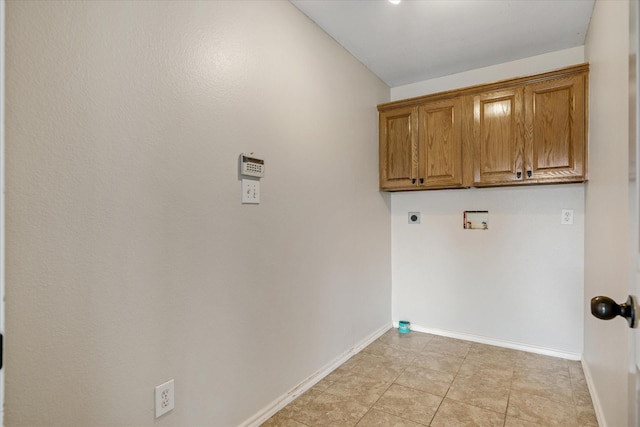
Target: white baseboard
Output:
[
  {"x": 597, "y": 406},
  {"x": 268, "y": 411},
  {"x": 496, "y": 342}
]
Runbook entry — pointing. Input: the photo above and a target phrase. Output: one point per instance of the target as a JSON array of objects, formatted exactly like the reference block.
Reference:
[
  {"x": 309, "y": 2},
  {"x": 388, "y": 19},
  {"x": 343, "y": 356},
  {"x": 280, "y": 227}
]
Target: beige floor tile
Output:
[
  {"x": 353, "y": 360},
  {"x": 330, "y": 379},
  {"x": 400, "y": 379},
  {"x": 412, "y": 340},
  {"x": 415, "y": 405},
  {"x": 492, "y": 352},
  {"x": 481, "y": 390},
  {"x": 438, "y": 362},
  {"x": 545, "y": 371},
  {"x": 488, "y": 367},
  {"x": 429, "y": 380},
  {"x": 279, "y": 420},
  {"x": 393, "y": 353},
  {"x": 517, "y": 422},
  {"x": 587, "y": 416},
  {"x": 575, "y": 370},
  {"x": 488, "y": 356},
  {"x": 369, "y": 365},
  {"x": 456, "y": 414},
  {"x": 299, "y": 404},
  {"x": 582, "y": 398},
  {"x": 579, "y": 384},
  {"x": 553, "y": 387},
  {"x": 547, "y": 364},
  {"x": 331, "y": 411},
  {"x": 536, "y": 409},
  {"x": 447, "y": 345},
  {"x": 376, "y": 418},
  {"x": 362, "y": 389}
]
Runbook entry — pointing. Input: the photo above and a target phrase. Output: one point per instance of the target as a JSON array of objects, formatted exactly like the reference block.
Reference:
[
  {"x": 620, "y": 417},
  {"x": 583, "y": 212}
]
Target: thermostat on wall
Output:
[{"x": 251, "y": 166}]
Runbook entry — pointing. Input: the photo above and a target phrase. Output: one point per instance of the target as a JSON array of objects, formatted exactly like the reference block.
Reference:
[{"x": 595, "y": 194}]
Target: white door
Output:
[
  {"x": 634, "y": 203},
  {"x": 604, "y": 307},
  {"x": 2, "y": 4}
]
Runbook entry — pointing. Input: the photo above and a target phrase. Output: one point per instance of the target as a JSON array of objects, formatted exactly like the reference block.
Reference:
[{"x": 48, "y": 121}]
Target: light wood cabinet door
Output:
[
  {"x": 498, "y": 137},
  {"x": 555, "y": 144},
  {"x": 398, "y": 148},
  {"x": 440, "y": 144}
]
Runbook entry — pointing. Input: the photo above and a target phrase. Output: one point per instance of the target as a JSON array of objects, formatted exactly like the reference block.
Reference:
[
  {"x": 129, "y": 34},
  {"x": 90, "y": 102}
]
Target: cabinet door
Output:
[
  {"x": 555, "y": 146},
  {"x": 440, "y": 144},
  {"x": 398, "y": 148},
  {"x": 498, "y": 137}
]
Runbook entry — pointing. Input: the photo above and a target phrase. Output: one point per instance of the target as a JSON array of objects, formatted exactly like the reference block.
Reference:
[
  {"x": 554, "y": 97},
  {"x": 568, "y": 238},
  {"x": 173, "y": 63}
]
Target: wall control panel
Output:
[
  {"x": 251, "y": 170},
  {"x": 251, "y": 166}
]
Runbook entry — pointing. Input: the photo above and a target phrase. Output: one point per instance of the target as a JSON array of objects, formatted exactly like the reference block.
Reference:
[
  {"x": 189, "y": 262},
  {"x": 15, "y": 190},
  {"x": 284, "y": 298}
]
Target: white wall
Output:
[
  {"x": 521, "y": 282},
  {"x": 606, "y": 227},
  {"x": 130, "y": 259},
  {"x": 2, "y": 187},
  {"x": 520, "y": 68}
]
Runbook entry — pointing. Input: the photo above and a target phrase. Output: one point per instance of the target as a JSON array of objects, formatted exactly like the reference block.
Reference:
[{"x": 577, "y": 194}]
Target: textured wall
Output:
[{"x": 130, "y": 259}]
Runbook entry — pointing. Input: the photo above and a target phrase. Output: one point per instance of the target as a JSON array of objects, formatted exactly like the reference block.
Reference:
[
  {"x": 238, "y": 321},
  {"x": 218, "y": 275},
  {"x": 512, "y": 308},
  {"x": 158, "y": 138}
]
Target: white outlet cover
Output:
[
  {"x": 165, "y": 398},
  {"x": 567, "y": 217}
]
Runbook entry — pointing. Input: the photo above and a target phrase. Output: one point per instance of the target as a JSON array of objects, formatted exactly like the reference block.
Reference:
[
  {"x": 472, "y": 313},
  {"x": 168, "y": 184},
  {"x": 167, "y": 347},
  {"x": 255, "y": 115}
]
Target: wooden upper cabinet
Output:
[
  {"x": 421, "y": 146},
  {"x": 533, "y": 133},
  {"x": 440, "y": 144},
  {"x": 555, "y": 148},
  {"x": 498, "y": 136},
  {"x": 398, "y": 148},
  {"x": 528, "y": 130}
]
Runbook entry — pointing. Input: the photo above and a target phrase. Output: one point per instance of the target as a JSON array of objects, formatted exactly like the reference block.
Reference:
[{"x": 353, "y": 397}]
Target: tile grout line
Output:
[
  {"x": 449, "y": 388},
  {"x": 506, "y": 409}
]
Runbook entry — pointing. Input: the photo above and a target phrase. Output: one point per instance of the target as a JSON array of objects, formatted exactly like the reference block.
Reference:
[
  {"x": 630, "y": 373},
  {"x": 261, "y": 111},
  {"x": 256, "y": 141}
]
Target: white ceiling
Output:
[{"x": 422, "y": 39}]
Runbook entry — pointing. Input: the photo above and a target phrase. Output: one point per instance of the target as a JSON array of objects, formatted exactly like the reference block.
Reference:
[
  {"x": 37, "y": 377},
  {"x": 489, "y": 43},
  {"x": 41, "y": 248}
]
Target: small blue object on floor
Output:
[{"x": 404, "y": 326}]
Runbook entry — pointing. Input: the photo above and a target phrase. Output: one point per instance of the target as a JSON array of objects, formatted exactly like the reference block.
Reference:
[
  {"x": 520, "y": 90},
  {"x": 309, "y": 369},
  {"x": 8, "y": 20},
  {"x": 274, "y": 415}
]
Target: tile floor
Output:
[{"x": 415, "y": 379}]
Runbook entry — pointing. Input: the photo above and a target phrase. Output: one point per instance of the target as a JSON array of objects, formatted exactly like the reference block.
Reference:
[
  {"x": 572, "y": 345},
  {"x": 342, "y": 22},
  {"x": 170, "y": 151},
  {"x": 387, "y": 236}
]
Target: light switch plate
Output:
[{"x": 250, "y": 191}]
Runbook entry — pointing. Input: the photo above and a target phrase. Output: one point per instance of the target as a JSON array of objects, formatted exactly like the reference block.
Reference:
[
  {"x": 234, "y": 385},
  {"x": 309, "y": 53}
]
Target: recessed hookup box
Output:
[{"x": 475, "y": 220}]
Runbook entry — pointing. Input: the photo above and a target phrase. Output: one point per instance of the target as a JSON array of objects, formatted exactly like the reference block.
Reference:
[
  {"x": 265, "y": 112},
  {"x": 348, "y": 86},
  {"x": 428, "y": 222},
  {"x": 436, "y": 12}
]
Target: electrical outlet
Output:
[
  {"x": 164, "y": 398},
  {"x": 567, "y": 217},
  {"x": 414, "y": 218}
]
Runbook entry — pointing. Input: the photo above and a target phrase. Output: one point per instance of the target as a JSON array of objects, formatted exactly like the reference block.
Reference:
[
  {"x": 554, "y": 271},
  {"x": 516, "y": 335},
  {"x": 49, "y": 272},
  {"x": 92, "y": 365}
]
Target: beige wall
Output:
[
  {"x": 130, "y": 259},
  {"x": 606, "y": 229}
]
